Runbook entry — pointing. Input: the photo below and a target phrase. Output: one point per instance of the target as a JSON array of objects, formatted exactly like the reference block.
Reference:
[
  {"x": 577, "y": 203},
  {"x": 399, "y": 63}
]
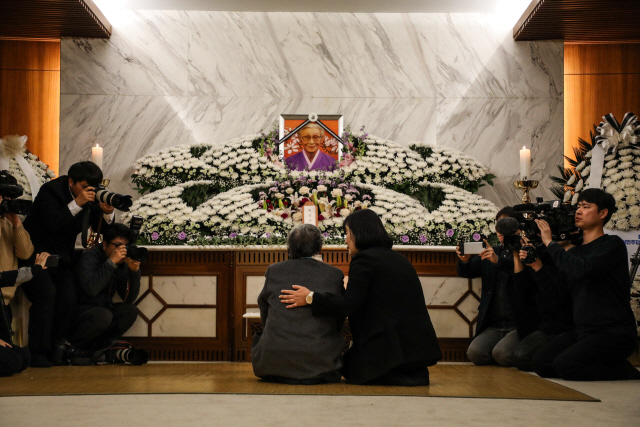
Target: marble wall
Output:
[{"x": 176, "y": 77}]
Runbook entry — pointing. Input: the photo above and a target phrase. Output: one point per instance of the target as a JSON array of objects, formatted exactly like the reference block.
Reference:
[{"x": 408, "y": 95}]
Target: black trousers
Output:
[
  {"x": 96, "y": 327},
  {"x": 13, "y": 359},
  {"x": 597, "y": 357},
  {"x": 53, "y": 297},
  {"x": 528, "y": 347}
]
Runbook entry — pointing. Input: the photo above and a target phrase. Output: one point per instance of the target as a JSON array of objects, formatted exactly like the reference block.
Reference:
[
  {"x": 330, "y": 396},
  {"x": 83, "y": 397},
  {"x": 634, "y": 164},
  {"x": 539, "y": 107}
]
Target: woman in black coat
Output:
[{"x": 394, "y": 342}]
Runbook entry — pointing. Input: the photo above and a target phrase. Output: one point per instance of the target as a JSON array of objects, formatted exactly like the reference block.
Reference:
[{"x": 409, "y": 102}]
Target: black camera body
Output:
[
  {"x": 10, "y": 189},
  {"x": 134, "y": 252},
  {"x": 561, "y": 218},
  {"x": 122, "y": 202}
]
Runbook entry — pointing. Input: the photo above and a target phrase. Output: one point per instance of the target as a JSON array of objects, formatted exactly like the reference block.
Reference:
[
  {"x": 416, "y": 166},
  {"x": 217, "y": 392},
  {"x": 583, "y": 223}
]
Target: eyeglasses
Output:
[
  {"x": 307, "y": 138},
  {"x": 117, "y": 245}
]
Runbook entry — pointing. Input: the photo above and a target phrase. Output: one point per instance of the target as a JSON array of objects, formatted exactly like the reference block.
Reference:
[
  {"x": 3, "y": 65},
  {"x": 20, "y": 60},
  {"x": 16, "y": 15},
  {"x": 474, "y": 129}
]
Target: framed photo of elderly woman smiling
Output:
[{"x": 310, "y": 142}]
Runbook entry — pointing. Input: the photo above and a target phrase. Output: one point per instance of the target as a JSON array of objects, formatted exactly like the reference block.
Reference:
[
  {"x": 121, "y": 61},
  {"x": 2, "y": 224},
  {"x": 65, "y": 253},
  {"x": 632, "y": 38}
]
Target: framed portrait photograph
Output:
[{"x": 310, "y": 142}]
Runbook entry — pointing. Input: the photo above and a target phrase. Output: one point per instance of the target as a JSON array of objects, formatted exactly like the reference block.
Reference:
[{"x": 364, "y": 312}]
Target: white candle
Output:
[
  {"x": 525, "y": 164},
  {"x": 96, "y": 155}
]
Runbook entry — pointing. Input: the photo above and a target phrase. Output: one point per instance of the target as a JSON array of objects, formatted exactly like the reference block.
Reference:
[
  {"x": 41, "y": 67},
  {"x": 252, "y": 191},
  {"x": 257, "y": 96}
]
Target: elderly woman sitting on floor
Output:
[{"x": 295, "y": 347}]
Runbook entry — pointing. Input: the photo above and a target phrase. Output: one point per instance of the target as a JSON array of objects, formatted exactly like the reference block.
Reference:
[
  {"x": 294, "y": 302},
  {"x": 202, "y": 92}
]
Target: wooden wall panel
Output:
[
  {"x": 599, "y": 79},
  {"x": 30, "y": 95}
]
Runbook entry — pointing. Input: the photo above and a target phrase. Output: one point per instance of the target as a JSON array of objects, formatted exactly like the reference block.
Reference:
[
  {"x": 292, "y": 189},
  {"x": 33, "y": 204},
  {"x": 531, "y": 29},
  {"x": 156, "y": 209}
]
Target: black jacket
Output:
[
  {"x": 523, "y": 301},
  {"x": 98, "y": 278},
  {"x": 597, "y": 276},
  {"x": 51, "y": 225},
  {"x": 554, "y": 301},
  {"x": 387, "y": 314}
]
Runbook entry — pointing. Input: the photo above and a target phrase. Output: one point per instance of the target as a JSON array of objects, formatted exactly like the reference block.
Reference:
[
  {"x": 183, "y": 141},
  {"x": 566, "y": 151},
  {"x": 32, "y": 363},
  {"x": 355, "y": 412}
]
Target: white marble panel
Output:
[
  {"x": 306, "y": 54},
  {"x": 443, "y": 290},
  {"x": 194, "y": 290},
  {"x": 186, "y": 322},
  {"x": 476, "y": 286},
  {"x": 403, "y": 120},
  {"x": 150, "y": 306},
  {"x": 448, "y": 324},
  {"x": 493, "y": 131},
  {"x": 139, "y": 329},
  {"x": 478, "y": 57},
  {"x": 254, "y": 285},
  {"x": 469, "y": 307},
  {"x": 146, "y": 55},
  {"x": 144, "y": 285},
  {"x": 128, "y": 127}
]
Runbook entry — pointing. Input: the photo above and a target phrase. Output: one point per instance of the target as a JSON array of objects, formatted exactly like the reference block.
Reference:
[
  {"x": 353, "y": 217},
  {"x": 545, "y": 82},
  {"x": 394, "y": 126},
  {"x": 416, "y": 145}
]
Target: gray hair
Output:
[
  {"x": 313, "y": 125},
  {"x": 304, "y": 240}
]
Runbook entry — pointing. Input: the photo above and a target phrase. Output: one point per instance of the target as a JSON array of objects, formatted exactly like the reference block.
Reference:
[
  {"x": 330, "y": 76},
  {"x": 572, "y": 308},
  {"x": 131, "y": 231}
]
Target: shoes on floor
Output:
[{"x": 39, "y": 360}]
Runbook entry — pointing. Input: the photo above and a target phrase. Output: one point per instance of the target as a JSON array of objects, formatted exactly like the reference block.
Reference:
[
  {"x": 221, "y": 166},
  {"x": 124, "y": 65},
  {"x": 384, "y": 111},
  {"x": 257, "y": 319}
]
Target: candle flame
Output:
[
  {"x": 97, "y": 145},
  {"x": 524, "y": 148}
]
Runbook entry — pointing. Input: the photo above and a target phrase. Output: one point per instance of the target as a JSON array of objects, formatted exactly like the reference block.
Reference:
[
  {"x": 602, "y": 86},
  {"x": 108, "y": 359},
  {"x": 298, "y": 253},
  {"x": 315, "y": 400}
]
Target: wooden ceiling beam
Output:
[
  {"x": 45, "y": 19},
  {"x": 579, "y": 20}
]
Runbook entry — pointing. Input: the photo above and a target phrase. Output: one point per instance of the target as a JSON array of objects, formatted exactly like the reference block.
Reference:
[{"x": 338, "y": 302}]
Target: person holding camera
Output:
[
  {"x": 503, "y": 314},
  {"x": 100, "y": 273},
  {"x": 14, "y": 359},
  {"x": 15, "y": 242},
  {"x": 62, "y": 208},
  {"x": 541, "y": 279},
  {"x": 597, "y": 276}
]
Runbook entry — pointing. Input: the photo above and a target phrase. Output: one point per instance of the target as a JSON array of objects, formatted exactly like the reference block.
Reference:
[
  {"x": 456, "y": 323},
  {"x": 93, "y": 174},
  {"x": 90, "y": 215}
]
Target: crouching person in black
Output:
[
  {"x": 503, "y": 315},
  {"x": 100, "y": 273},
  {"x": 543, "y": 282},
  {"x": 597, "y": 276},
  {"x": 62, "y": 208}
]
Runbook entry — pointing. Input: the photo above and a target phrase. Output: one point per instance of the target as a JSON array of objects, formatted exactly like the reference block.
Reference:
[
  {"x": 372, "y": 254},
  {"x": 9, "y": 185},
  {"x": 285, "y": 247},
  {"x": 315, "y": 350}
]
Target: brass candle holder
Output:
[{"x": 525, "y": 186}]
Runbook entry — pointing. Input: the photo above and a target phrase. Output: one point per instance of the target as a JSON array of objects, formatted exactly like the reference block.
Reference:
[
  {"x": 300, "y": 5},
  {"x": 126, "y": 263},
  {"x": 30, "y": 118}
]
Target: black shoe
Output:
[
  {"x": 59, "y": 354},
  {"x": 80, "y": 361},
  {"x": 39, "y": 360}
]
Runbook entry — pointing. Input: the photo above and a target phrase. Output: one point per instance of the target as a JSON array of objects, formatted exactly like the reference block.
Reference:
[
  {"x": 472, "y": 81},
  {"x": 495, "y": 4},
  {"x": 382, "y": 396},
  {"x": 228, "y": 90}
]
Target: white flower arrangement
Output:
[
  {"x": 266, "y": 212},
  {"x": 13, "y": 146},
  {"x": 620, "y": 173}
]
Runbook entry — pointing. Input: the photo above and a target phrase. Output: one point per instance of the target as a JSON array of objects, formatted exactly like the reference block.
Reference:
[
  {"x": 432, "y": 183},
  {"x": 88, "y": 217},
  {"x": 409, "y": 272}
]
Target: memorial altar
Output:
[{"x": 215, "y": 218}]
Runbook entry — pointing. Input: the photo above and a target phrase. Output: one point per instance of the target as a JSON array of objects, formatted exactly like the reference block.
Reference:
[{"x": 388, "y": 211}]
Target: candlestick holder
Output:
[{"x": 525, "y": 186}]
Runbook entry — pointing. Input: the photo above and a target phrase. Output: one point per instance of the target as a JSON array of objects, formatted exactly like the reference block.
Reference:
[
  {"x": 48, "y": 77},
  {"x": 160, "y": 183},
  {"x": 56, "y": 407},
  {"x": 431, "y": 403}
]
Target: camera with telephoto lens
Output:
[
  {"x": 560, "y": 217},
  {"x": 9, "y": 189},
  {"x": 134, "y": 252},
  {"x": 122, "y": 202}
]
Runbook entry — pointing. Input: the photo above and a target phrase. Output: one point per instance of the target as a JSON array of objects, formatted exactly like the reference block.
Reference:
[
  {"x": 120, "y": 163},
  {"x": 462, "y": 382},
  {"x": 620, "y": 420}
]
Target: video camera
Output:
[
  {"x": 560, "y": 217},
  {"x": 9, "y": 189},
  {"x": 134, "y": 252},
  {"x": 122, "y": 202}
]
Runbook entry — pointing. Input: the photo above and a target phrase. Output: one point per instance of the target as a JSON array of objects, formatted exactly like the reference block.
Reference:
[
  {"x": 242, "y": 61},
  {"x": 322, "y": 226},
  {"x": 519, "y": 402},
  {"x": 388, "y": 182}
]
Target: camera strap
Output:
[{"x": 85, "y": 229}]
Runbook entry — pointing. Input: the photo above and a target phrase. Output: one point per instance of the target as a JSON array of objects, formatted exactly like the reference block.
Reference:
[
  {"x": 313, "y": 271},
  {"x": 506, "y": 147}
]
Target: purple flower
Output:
[
  {"x": 326, "y": 235},
  {"x": 233, "y": 235},
  {"x": 450, "y": 233},
  {"x": 182, "y": 235},
  {"x": 477, "y": 237},
  {"x": 266, "y": 235},
  {"x": 155, "y": 236},
  {"x": 321, "y": 182},
  {"x": 423, "y": 238},
  {"x": 405, "y": 239}
]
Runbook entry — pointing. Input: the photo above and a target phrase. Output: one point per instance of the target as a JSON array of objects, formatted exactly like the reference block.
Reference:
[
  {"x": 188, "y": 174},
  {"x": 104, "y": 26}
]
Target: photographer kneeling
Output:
[
  {"x": 597, "y": 276},
  {"x": 503, "y": 314},
  {"x": 100, "y": 273}
]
